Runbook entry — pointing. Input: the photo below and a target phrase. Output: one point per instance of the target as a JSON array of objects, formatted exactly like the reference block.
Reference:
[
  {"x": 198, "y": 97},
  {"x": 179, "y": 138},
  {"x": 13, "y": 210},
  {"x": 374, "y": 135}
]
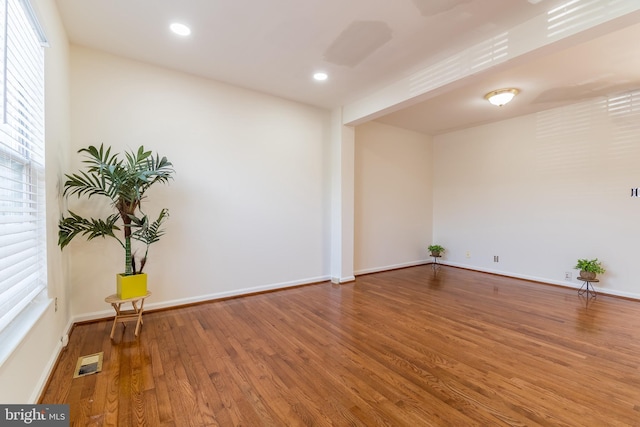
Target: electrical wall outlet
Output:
[
  {"x": 496, "y": 258},
  {"x": 468, "y": 254},
  {"x": 567, "y": 275}
]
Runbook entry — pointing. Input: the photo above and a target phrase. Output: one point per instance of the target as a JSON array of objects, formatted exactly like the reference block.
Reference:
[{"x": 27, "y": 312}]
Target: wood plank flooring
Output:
[{"x": 412, "y": 347}]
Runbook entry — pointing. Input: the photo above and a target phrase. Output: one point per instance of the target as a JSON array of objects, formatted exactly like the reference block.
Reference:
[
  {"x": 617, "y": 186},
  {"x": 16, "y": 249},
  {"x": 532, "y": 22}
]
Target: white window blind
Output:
[{"x": 22, "y": 208}]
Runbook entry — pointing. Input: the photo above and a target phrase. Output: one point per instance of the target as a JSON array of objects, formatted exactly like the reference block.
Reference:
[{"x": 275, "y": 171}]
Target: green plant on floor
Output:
[
  {"x": 125, "y": 182},
  {"x": 590, "y": 266},
  {"x": 436, "y": 249}
]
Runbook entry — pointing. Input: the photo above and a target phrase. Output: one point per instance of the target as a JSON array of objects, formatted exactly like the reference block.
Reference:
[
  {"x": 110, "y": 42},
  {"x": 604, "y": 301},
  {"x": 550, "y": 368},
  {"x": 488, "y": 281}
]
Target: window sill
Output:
[{"x": 13, "y": 335}]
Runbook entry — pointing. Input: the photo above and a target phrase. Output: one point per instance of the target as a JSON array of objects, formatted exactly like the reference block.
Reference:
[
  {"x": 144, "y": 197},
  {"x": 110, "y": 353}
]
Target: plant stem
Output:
[
  {"x": 127, "y": 240},
  {"x": 127, "y": 256}
]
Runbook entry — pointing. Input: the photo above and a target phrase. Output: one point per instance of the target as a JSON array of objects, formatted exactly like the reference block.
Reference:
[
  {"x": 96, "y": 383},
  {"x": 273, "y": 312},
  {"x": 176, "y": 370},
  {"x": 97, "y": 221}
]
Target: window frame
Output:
[{"x": 22, "y": 201}]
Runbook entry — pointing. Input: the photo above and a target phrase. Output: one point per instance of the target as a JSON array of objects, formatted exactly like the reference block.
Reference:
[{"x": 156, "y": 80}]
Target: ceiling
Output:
[{"x": 275, "y": 46}]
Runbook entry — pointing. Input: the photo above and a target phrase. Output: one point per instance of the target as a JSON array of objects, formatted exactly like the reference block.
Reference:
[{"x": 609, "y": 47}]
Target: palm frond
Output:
[
  {"x": 74, "y": 224},
  {"x": 147, "y": 232}
]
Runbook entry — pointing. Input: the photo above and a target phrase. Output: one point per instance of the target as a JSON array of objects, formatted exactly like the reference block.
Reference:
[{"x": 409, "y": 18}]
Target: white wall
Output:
[
  {"x": 541, "y": 191},
  {"x": 393, "y": 197},
  {"x": 25, "y": 372},
  {"x": 249, "y": 204}
]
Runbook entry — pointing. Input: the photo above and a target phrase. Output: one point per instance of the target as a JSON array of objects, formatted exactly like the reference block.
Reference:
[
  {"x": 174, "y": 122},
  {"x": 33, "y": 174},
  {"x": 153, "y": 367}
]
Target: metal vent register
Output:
[{"x": 87, "y": 365}]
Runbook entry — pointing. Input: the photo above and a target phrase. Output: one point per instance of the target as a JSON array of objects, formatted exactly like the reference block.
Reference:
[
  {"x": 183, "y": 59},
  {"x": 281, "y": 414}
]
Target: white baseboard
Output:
[
  {"x": 246, "y": 291},
  {"x": 566, "y": 284},
  {"x": 346, "y": 279},
  {"x": 204, "y": 298},
  {"x": 392, "y": 267},
  {"x": 51, "y": 364}
]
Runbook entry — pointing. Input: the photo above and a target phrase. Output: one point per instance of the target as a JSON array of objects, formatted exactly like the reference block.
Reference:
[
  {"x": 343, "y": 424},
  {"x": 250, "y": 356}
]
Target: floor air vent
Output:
[{"x": 87, "y": 365}]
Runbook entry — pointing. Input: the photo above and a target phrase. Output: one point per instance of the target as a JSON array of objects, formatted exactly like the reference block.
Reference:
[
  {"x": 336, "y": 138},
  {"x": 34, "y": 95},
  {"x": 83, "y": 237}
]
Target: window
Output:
[{"x": 23, "y": 271}]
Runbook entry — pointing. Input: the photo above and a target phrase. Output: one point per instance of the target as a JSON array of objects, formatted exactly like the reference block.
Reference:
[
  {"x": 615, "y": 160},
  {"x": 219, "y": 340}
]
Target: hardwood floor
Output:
[{"x": 410, "y": 347}]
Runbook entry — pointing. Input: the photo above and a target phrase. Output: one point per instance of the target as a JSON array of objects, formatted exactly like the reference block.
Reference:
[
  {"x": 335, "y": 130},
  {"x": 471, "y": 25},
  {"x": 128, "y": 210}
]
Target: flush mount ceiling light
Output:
[
  {"x": 501, "y": 96},
  {"x": 320, "y": 76},
  {"x": 180, "y": 29}
]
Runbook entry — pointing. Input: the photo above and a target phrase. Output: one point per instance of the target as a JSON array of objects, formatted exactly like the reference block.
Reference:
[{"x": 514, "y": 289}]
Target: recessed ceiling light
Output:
[
  {"x": 320, "y": 76},
  {"x": 180, "y": 29}
]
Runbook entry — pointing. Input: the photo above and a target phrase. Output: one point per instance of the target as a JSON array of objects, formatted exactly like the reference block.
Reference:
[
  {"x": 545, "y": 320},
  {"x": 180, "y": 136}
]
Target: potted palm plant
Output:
[
  {"x": 589, "y": 268},
  {"x": 124, "y": 181}
]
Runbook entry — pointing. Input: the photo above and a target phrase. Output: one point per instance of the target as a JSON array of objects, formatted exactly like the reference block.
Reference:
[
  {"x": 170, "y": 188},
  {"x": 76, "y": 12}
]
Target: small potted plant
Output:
[
  {"x": 124, "y": 182},
  {"x": 436, "y": 250},
  {"x": 589, "y": 268}
]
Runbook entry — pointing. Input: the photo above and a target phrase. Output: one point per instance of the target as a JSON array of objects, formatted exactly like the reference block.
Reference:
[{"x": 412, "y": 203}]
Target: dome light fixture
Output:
[{"x": 500, "y": 97}]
